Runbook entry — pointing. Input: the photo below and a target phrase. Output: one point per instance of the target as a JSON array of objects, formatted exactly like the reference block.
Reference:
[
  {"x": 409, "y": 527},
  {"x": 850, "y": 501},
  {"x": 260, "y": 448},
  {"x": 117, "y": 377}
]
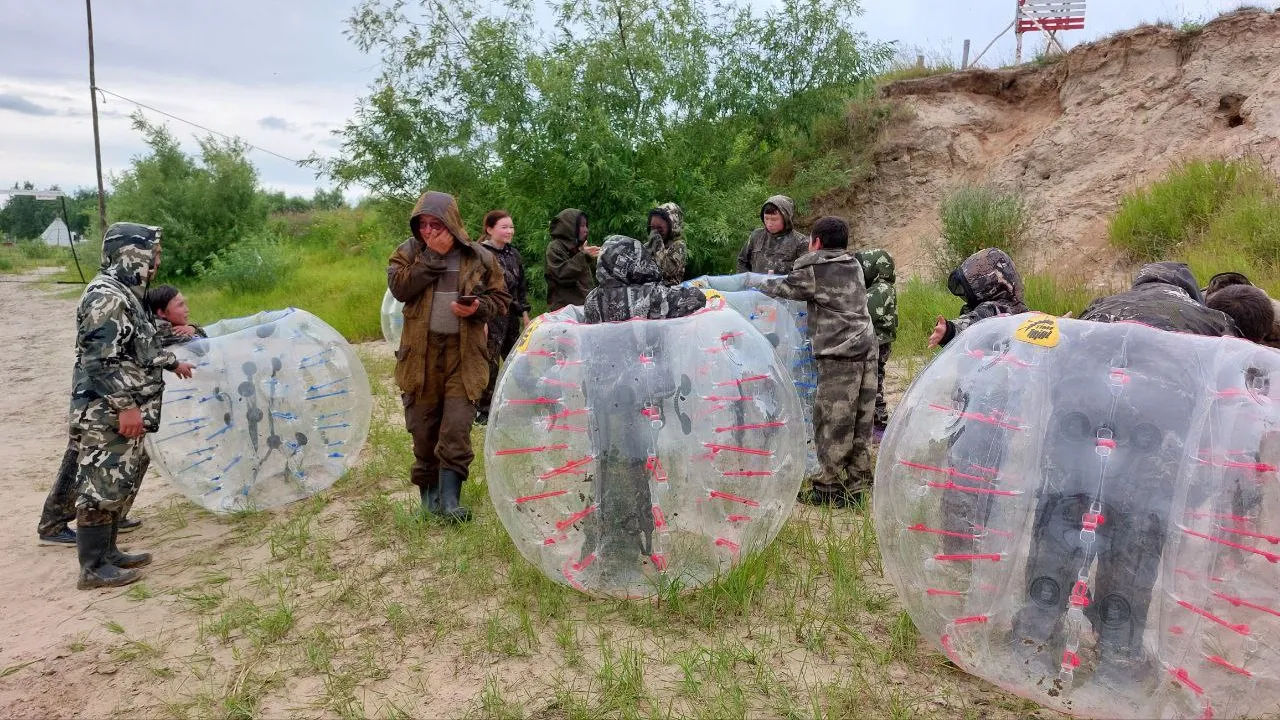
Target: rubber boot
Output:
[
  {"x": 93, "y": 542},
  {"x": 122, "y": 559},
  {"x": 430, "y": 499},
  {"x": 450, "y": 491}
]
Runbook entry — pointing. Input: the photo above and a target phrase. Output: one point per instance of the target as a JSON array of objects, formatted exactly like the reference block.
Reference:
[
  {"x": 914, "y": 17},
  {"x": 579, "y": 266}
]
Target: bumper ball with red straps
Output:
[
  {"x": 1088, "y": 515},
  {"x": 630, "y": 458}
]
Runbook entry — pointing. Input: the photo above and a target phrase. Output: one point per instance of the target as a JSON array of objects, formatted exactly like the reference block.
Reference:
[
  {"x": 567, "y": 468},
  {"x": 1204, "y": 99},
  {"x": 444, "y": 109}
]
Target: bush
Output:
[
  {"x": 1154, "y": 220},
  {"x": 976, "y": 217},
  {"x": 253, "y": 265}
]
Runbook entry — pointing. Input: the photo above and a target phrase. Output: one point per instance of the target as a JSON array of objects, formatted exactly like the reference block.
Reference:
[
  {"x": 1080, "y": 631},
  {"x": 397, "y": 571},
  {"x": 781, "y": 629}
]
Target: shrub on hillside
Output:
[
  {"x": 975, "y": 217},
  {"x": 1181, "y": 206},
  {"x": 253, "y": 265}
]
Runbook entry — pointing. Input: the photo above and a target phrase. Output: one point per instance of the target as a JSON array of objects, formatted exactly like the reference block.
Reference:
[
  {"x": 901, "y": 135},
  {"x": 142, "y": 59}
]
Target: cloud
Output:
[
  {"x": 22, "y": 105},
  {"x": 271, "y": 122}
]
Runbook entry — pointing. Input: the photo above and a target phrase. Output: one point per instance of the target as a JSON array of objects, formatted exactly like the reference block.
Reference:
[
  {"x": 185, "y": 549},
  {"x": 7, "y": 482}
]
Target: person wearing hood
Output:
[
  {"x": 1165, "y": 296},
  {"x": 830, "y": 280},
  {"x": 989, "y": 284},
  {"x": 666, "y": 242},
  {"x": 1148, "y": 416},
  {"x": 882, "y": 304},
  {"x": 117, "y": 385},
  {"x": 568, "y": 266},
  {"x": 620, "y": 387},
  {"x": 774, "y": 248},
  {"x": 451, "y": 289}
]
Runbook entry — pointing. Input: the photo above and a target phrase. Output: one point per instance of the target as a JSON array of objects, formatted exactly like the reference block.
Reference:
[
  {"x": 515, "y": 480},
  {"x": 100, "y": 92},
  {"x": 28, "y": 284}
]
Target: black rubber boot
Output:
[
  {"x": 93, "y": 543},
  {"x": 122, "y": 559},
  {"x": 450, "y": 491},
  {"x": 430, "y": 499}
]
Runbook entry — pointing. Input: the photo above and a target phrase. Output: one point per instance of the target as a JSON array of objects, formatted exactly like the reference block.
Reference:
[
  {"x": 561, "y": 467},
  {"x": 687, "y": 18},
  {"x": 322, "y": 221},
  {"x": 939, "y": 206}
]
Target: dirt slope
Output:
[{"x": 1073, "y": 136}]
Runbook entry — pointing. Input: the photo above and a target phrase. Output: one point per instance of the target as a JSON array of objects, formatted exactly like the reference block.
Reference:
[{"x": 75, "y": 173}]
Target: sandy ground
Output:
[{"x": 50, "y": 632}]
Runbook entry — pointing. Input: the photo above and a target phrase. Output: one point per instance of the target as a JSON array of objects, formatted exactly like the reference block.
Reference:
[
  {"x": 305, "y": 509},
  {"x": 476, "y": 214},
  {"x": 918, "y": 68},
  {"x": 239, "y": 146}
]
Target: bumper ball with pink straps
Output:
[
  {"x": 1088, "y": 515},
  {"x": 628, "y": 458}
]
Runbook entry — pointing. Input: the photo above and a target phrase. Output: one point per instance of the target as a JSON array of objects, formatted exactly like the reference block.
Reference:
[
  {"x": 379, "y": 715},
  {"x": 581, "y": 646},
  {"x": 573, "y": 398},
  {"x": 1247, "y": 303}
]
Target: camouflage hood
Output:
[
  {"x": 128, "y": 252},
  {"x": 443, "y": 207},
  {"x": 631, "y": 287},
  {"x": 787, "y": 207},
  {"x": 1169, "y": 273},
  {"x": 987, "y": 276},
  {"x": 623, "y": 261},
  {"x": 676, "y": 215},
  {"x": 666, "y": 216},
  {"x": 882, "y": 296}
]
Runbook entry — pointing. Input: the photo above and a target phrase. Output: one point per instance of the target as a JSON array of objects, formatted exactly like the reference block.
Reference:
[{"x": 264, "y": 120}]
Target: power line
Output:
[{"x": 198, "y": 125}]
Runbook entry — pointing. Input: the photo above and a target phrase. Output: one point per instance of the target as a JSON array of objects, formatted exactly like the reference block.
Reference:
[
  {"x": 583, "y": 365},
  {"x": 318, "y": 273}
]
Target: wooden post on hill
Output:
[{"x": 97, "y": 141}]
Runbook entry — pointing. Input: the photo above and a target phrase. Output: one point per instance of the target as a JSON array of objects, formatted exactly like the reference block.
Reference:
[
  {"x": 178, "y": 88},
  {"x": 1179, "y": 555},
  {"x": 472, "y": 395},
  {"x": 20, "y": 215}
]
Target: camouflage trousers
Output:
[
  {"x": 60, "y": 504},
  {"x": 843, "y": 415},
  {"x": 503, "y": 334},
  {"x": 882, "y": 408},
  {"x": 109, "y": 465}
]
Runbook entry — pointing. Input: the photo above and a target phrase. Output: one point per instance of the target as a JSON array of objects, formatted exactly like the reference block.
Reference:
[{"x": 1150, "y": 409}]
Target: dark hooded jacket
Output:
[
  {"x": 989, "y": 284},
  {"x": 412, "y": 273},
  {"x": 631, "y": 287},
  {"x": 774, "y": 254},
  {"x": 119, "y": 363},
  {"x": 567, "y": 269},
  {"x": 669, "y": 250},
  {"x": 1165, "y": 295},
  {"x": 830, "y": 281},
  {"x": 882, "y": 296}
]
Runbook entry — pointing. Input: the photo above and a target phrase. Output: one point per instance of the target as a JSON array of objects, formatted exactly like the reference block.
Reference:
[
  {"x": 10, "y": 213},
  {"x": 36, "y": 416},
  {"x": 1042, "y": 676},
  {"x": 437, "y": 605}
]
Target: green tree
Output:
[
  {"x": 204, "y": 204},
  {"x": 24, "y": 217},
  {"x": 613, "y": 106}
]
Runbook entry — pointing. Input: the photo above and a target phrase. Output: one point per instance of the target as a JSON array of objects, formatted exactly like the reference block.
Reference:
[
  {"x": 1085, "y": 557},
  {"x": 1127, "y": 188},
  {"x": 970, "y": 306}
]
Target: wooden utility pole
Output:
[{"x": 97, "y": 141}]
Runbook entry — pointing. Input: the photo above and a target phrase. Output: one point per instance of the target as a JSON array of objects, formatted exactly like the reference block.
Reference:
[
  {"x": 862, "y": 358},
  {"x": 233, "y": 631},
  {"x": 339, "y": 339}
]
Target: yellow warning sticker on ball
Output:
[
  {"x": 1039, "y": 330},
  {"x": 523, "y": 345}
]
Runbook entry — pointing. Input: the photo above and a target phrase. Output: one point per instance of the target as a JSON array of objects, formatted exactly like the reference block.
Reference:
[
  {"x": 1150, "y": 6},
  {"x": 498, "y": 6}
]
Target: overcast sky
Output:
[{"x": 281, "y": 75}]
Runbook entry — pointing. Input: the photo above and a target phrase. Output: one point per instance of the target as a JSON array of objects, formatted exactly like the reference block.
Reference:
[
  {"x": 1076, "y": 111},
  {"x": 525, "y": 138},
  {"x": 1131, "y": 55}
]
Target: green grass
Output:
[
  {"x": 1216, "y": 215},
  {"x": 26, "y": 255}
]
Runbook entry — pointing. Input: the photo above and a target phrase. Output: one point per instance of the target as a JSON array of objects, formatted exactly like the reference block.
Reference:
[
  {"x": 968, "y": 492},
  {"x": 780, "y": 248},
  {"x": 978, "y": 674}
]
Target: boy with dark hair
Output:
[
  {"x": 172, "y": 316},
  {"x": 1225, "y": 280},
  {"x": 1249, "y": 307},
  {"x": 830, "y": 280},
  {"x": 774, "y": 248},
  {"x": 989, "y": 284}
]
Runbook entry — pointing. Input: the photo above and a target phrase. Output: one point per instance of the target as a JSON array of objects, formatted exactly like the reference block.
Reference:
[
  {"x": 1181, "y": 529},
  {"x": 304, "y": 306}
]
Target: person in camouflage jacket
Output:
[
  {"x": 1164, "y": 295},
  {"x": 619, "y": 387},
  {"x": 989, "y": 284},
  {"x": 773, "y": 249},
  {"x": 882, "y": 304},
  {"x": 60, "y": 505},
  {"x": 631, "y": 287},
  {"x": 666, "y": 242},
  {"x": 830, "y": 279},
  {"x": 116, "y": 398}
]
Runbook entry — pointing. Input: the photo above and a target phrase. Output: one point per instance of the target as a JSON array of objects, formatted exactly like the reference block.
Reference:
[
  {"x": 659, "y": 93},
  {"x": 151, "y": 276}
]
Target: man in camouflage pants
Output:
[
  {"x": 115, "y": 399},
  {"x": 882, "y": 304},
  {"x": 830, "y": 280}
]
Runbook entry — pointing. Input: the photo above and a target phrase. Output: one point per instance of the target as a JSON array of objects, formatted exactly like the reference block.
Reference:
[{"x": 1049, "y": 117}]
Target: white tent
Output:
[{"x": 56, "y": 234}]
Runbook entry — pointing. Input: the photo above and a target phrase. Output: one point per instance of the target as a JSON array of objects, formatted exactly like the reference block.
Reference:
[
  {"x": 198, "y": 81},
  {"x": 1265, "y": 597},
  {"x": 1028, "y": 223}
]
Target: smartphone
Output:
[{"x": 467, "y": 299}]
